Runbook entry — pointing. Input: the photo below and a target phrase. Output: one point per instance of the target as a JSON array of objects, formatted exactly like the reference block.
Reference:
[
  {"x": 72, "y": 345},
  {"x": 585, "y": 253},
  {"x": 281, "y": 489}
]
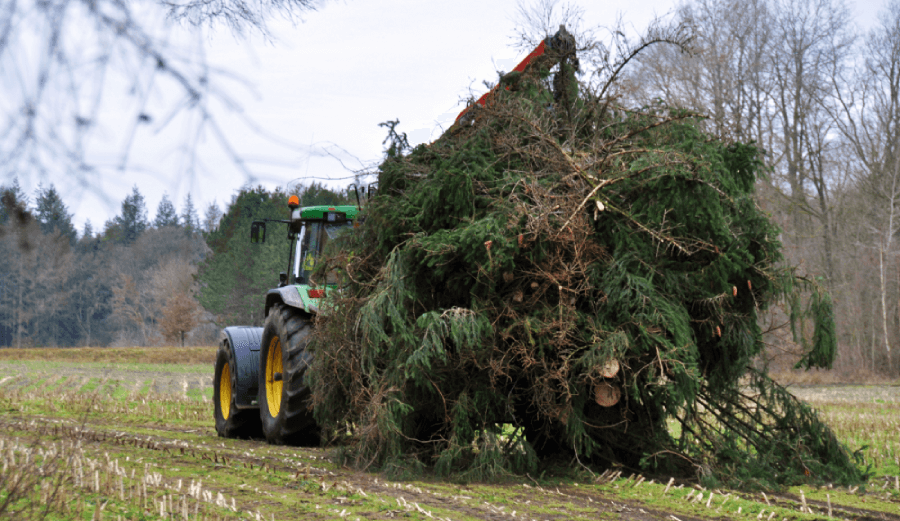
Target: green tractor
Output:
[{"x": 259, "y": 383}]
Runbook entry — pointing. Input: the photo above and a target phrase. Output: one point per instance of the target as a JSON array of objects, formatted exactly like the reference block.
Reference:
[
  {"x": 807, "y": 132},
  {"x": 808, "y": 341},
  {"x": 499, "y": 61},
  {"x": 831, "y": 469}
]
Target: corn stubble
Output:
[
  {"x": 504, "y": 268},
  {"x": 92, "y": 459},
  {"x": 61, "y": 477},
  {"x": 52, "y": 468}
]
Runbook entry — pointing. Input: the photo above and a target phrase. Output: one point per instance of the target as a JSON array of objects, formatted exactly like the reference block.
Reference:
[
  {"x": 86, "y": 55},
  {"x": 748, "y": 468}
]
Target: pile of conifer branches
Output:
[{"x": 564, "y": 276}]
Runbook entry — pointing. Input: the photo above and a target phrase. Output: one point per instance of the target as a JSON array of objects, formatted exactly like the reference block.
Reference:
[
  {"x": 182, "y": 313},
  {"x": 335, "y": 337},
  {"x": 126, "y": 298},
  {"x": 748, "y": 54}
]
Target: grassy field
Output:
[
  {"x": 116, "y": 355},
  {"x": 131, "y": 437}
]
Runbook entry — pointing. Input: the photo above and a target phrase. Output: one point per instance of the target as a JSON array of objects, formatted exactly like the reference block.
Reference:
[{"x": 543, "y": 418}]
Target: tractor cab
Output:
[
  {"x": 310, "y": 229},
  {"x": 318, "y": 225}
]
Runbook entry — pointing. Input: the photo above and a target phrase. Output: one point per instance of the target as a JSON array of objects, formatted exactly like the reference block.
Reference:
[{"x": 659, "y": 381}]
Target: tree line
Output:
[
  {"x": 136, "y": 282},
  {"x": 822, "y": 99}
]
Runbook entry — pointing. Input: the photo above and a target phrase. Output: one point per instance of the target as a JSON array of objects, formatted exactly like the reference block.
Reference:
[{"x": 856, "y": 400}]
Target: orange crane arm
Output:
[{"x": 562, "y": 42}]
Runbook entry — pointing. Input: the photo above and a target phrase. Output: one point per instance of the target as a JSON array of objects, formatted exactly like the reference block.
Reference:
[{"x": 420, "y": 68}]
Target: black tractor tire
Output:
[
  {"x": 231, "y": 422},
  {"x": 284, "y": 407}
]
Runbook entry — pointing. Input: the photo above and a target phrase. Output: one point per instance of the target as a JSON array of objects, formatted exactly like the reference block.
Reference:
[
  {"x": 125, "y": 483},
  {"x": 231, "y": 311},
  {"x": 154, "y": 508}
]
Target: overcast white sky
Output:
[{"x": 329, "y": 81}]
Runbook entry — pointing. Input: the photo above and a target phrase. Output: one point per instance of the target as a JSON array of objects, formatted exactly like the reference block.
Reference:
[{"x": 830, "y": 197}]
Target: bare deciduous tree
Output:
[
  {"x": 773, "y": 72},
  {"x": 83, "y": 81},
  {"x": 724, "y": 75},
  {"x": 812, "y": 35},
  {"x": 866, "y": 110},
  {"x": 239, "y": 15},
  {"x": 537, "y": 20}
]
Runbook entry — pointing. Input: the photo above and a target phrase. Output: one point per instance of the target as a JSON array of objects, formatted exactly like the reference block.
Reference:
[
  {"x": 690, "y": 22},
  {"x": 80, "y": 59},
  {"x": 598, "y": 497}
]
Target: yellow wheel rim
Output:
[
  {"x": 273, "y": 387},
  {"x": 225, "y": 391}
]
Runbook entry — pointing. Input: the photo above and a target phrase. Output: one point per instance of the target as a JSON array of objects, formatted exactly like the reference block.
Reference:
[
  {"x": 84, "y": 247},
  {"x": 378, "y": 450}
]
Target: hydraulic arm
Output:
[{"x": 552, "y": 50}]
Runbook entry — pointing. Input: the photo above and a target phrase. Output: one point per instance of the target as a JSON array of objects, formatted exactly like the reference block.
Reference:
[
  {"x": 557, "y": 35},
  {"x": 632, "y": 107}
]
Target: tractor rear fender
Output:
[
  {"x": 244, "y": 341},
  {"x": 290, "y": 296}
]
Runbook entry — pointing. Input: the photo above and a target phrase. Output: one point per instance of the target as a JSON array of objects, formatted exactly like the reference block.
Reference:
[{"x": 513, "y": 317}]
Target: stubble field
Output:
[{"x": 128, "y": 434}]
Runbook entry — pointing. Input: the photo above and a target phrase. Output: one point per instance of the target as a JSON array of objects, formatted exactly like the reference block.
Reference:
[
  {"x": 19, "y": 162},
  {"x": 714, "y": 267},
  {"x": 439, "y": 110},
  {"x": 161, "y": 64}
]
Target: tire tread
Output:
[{"x": 294, "y": 424}]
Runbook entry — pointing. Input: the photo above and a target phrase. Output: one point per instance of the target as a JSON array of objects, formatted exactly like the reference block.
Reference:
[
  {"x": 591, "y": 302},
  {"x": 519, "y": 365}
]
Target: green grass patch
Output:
[
  {"x": 120, "y": 392},
  {"x": 109, "y": 388},
  {"x": 57, "y": 384},
  {"x": 200, "y": 394},
  {"x": 868, "y": 427},
  {"x": 39, "y": 382},
  {"x": 90, "y": 386},
  {"x": 874, "y": 500}
]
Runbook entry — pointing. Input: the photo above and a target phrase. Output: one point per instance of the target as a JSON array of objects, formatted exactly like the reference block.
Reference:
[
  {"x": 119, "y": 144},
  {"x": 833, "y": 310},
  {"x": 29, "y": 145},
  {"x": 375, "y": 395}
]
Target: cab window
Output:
[{"x": 314, "y": 238}]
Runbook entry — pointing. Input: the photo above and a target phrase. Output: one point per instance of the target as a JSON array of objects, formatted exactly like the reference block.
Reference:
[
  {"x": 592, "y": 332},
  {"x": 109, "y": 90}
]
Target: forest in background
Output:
[
  {"x": 822, "y": 99},
  {"x": 137, "y": 282},
  {"x": 796, "y": 77}
]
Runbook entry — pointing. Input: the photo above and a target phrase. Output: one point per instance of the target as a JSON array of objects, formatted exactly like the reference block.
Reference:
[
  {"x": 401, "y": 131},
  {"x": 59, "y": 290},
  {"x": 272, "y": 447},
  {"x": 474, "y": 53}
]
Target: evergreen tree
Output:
[
  {"x": 165, "y": 213},
  {"x": 189, "y": 218},
  {"x": 111, "y": 231},
  {"x": 127, "y": 227},
  {"x": 88, "y": 241},
  {"x": 13, "y": 201},
  {"x": 235, "y": 277},
  {"x": 53, "y": 215},
  {"x": 88, "y": 232},
  {"x": 211, "y": 217},
  {"x": 316, "y": 194},
  {"x": 90, "y": 302},
  {"x": 14, "y": 216}
]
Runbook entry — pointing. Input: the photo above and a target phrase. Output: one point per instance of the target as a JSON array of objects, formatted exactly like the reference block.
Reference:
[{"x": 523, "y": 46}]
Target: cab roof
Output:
[{"x": 318, "y": 212}]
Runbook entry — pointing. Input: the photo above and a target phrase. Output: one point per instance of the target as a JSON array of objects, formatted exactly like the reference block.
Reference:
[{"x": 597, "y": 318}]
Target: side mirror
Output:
[{"x": 258, "y": 232}]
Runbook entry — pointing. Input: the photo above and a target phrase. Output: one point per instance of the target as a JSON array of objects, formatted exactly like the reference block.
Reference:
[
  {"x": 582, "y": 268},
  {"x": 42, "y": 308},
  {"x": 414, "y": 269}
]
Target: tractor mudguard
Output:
[
  {"x": 245, "y": 343},
  {"x": 289, "y": 296}
]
